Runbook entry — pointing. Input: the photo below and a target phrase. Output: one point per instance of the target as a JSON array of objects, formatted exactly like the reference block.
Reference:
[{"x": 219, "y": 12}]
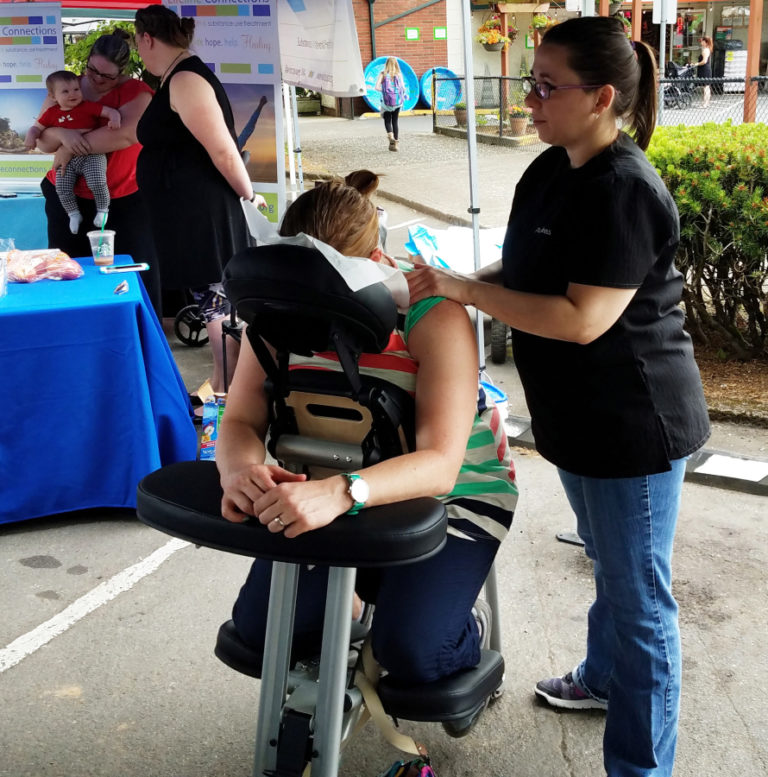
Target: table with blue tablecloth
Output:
[{"x": 93, "y": 400}]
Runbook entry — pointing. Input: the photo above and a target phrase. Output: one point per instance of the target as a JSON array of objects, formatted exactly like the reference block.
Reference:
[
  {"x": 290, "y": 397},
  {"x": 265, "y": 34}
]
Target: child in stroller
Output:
[{"x": 678, "y": 91}]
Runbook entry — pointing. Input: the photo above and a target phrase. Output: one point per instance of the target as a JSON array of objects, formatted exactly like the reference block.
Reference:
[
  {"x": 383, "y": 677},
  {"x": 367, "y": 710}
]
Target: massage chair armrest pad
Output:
[{"x": 184, "y": 500}]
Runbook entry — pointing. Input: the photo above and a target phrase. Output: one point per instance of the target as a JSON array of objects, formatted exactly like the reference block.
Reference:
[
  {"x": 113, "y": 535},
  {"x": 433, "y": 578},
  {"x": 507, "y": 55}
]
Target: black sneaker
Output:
[{"x": 563, "y": 692}]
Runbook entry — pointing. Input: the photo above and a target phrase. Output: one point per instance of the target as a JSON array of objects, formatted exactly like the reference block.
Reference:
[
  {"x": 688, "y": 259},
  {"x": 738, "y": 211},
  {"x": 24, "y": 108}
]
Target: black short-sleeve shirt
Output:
[{"x": 631, "y": 401}]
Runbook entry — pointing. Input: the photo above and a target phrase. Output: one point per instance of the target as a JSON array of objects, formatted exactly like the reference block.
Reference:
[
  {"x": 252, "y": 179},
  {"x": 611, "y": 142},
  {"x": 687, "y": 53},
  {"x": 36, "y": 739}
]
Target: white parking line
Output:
[
  {"x": 404, "y": 224},
  {"x": 28, "y": 643}
]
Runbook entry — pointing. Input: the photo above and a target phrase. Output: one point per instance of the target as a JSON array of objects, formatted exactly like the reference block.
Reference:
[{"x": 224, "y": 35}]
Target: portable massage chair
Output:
[{"x": 321, "y": 422}]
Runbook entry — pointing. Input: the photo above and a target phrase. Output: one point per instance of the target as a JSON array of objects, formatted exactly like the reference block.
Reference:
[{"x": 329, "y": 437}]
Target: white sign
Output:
[
  {"x": 664, "y": 12},
  {"x": 237, "y": 39},
  {"x": 319, "y": 48},
  {"x": 31, "y": 48}
]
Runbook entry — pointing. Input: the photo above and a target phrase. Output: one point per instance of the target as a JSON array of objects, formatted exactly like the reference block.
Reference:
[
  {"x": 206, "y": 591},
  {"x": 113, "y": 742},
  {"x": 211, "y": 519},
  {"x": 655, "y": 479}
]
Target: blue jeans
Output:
[
  {"x": 422, "y": 628},
  {"x": 633, "y": 641}
]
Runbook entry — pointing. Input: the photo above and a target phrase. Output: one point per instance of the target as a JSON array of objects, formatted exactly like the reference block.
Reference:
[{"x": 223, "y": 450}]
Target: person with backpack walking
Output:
[{"x": 392, "y": 87}]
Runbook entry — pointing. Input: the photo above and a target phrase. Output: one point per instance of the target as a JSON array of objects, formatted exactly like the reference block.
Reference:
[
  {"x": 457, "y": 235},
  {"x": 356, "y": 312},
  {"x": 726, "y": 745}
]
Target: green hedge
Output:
[{"x": 718, "y": 175}]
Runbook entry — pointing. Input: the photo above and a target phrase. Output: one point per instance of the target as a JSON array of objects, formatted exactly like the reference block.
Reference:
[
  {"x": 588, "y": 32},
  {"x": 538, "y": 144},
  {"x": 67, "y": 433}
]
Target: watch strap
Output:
[{"x": 357, "y": 506}]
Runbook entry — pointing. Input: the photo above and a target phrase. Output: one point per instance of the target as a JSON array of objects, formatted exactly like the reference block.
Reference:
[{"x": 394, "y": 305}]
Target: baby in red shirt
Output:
[{"x": 72, "y": 112}]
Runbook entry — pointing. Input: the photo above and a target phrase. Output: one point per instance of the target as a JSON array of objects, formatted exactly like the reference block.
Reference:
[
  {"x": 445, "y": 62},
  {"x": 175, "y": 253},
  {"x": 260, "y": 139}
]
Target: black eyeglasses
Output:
[
  {"x": 543, "y": 90},
  {"x": 92, "y": 70}
]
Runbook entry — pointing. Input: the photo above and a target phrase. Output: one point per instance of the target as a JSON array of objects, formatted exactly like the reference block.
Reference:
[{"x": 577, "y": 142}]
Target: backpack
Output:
[{"x": 392, "y": 91}]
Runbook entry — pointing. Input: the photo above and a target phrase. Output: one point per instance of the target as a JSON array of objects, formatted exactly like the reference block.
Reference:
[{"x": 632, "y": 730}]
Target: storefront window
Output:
[{"x": 686, "y": 33}]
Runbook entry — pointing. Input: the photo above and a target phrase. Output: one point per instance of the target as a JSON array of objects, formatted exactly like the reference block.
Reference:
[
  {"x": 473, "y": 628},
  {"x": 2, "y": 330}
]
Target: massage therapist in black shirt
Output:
[{"x": 588, "y": 284}]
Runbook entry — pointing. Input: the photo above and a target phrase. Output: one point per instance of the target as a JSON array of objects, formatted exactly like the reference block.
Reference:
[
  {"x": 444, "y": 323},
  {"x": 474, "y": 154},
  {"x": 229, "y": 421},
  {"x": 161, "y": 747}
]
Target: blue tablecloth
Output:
[
  {"x": 23, "y": 218},
  {"x": 93, "y": 398}
]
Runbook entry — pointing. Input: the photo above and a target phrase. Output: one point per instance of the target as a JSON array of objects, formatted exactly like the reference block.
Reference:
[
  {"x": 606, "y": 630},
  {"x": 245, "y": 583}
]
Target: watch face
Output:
[{"x": 359, "y": 490}]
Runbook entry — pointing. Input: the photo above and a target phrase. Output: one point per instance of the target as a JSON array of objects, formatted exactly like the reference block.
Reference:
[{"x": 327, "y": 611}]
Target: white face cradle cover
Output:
[{"x": 357, "y": 272}]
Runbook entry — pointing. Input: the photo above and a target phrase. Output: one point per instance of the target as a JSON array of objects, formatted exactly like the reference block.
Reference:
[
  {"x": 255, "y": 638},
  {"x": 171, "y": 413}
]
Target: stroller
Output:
[{"x": 679, "y": 93}]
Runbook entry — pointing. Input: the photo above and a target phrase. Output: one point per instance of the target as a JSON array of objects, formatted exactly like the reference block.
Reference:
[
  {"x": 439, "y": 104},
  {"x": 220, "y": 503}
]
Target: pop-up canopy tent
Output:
[
  {"x": 104, "y": 7},
  {"x": 97, "y": 7}
]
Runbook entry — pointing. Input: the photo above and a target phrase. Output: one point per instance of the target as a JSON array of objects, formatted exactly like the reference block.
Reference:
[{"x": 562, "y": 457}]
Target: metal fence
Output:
[{"x": 497, "y": 100}]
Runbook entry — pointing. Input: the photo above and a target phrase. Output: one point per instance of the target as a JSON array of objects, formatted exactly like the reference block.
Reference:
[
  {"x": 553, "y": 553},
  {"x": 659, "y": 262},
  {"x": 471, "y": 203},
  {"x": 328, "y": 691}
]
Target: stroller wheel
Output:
[
  {"x": 499, "y": 332},
  {"x": 687, "y": 100},
  {"x": 189, "y": 327}
]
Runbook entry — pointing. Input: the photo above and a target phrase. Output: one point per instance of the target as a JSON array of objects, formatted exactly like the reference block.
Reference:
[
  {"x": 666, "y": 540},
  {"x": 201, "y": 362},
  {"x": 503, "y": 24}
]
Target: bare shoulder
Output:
[
  {"x": 189, "y": 80},
  {"x": 446, "y": 323}
]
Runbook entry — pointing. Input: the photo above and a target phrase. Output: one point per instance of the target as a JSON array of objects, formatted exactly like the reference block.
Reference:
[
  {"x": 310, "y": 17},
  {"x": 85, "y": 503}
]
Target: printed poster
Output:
[
  {"x": 238, "y": 40},
  {"x": 319, "y": 48},
  {"x": 31, "y": 47}
]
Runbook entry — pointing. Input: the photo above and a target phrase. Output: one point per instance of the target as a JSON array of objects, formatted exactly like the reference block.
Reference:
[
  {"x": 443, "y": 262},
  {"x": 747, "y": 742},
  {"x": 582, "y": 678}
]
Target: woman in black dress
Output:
[
  {"x": 190, "y": 171},
  {"x": 704, "y": 67}
]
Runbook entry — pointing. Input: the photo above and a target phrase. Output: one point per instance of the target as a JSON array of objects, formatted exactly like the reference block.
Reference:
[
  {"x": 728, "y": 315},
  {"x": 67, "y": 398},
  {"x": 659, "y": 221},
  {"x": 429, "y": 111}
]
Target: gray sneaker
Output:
[
  {"x": 563, "y": 692},
  {"x": 483, "y": 616}
]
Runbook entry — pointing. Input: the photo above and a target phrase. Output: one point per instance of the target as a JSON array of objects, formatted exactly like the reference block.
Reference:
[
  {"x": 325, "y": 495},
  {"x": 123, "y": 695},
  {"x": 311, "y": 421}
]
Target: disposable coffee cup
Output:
[{"x": 102, "y": 246}]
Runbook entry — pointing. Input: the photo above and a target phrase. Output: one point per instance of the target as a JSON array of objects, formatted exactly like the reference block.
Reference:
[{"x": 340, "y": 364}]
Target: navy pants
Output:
[{"x": 422, "y": 629}]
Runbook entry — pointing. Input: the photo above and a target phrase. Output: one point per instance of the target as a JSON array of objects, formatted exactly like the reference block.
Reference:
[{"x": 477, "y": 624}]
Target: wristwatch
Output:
[{"x": 358, "y": 490}]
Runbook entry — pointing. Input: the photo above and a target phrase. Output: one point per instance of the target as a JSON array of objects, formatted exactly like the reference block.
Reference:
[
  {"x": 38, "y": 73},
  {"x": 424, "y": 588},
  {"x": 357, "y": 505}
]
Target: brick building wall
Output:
[{"x": 390, "y": 40}]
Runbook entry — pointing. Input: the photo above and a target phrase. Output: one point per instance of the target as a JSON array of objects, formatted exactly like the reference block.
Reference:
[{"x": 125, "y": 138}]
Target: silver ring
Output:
[{"x": 280, "y": 521}]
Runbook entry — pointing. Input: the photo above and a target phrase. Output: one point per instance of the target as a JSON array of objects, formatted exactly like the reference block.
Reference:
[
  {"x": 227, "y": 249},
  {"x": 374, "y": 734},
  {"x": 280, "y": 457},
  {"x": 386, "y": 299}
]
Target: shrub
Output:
[{"x": 718, "y": 175}]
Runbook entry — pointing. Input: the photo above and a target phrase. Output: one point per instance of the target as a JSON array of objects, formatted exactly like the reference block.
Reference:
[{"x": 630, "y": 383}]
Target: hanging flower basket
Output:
[
  {"x": 541, "y": 22},
  {"x": 490, "y": 36}
]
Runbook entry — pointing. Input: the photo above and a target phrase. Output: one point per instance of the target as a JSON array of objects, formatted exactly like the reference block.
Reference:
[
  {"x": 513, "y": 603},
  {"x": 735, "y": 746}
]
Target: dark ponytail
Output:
[
  {"x": 600, "y": 52},
  {"x": 642, "y": 117}
]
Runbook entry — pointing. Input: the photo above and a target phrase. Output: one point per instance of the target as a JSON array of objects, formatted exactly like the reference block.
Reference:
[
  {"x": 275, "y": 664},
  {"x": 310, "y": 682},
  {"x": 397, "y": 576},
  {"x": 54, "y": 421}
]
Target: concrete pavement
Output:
[{"x": 129, "y": 685}]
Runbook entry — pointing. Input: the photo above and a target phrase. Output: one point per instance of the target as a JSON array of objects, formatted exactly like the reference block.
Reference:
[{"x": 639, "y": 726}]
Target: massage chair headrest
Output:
[{"x": 295, "y": 299}]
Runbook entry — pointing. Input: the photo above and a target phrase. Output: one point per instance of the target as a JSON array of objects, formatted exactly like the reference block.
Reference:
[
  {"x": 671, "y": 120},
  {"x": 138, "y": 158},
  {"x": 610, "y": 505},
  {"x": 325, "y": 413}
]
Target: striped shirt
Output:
[{"x": 482, "y": 501}]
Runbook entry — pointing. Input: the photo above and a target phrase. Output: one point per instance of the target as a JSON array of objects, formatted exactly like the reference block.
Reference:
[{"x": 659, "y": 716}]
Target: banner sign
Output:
[
  {"x": 664, "y": 12},
  {"x": 31, "y": 47},
  {"x": 238, "y": 40},
  {"x": 319, "y": 48}
]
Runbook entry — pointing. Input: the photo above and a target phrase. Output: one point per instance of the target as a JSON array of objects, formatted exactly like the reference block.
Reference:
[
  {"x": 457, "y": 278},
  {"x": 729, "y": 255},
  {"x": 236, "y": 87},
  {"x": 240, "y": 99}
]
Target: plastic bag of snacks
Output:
[
  {"x": 6, "y": 245},
  {"x": 40, "y": 263}
]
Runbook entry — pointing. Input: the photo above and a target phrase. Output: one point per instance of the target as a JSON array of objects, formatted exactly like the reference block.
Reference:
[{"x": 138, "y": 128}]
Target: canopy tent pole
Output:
[
  {"x": 297, "y": 140},
  {"x": 474, "y": 209},
  {"x": 288, "y": 119},
  {"x": 291, "y": 117}
]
